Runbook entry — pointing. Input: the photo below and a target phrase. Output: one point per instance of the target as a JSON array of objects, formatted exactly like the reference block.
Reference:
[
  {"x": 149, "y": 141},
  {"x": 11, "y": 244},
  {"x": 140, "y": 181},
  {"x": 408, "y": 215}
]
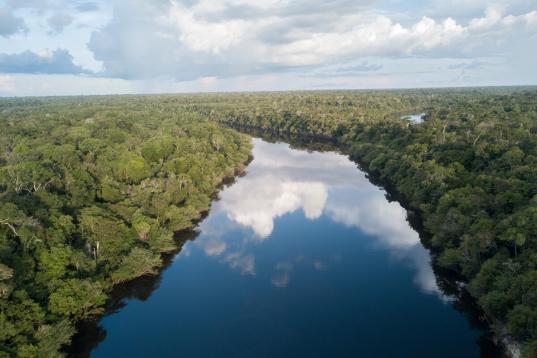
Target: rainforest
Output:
[{"x": 99, "y": 191}]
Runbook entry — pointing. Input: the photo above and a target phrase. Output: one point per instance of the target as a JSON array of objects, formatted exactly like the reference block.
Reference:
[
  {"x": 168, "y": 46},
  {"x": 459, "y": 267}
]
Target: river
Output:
[{"x": 300, "y": 257}]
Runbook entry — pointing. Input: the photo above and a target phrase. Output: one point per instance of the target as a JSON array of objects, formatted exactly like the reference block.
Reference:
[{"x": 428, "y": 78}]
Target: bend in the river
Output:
[{"x": 303, "y": 257}]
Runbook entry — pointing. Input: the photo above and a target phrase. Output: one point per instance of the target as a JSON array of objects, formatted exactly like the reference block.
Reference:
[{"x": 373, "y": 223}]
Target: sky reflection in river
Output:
[
  {"x": 300, "y": 257},
  {"x": 281, "y": 181}
]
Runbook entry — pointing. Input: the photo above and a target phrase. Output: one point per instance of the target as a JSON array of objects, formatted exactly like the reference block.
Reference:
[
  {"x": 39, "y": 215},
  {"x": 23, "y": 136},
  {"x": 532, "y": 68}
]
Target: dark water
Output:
[{"x": 301, "y": 257}]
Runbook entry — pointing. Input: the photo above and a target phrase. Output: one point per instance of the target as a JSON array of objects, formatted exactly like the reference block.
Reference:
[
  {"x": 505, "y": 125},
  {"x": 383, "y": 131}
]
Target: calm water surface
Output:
[
  {"x": 301, "y": 257},
  {"x": 416, "y": 118}
]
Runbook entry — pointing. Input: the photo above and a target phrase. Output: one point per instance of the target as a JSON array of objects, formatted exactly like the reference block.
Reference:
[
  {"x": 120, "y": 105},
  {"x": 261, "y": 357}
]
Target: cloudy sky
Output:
[{"x": 54, "y": 47}]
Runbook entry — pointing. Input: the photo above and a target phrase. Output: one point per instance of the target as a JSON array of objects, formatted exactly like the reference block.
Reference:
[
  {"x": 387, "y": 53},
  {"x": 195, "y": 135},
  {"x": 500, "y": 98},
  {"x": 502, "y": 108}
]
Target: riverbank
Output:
[
  {"x": 287, "y": 262},
  {"x": 92, "y": 194},
  {"x": 466, "y": 169},
  {"x": 511, "y": 347},
  {"x": 89, "y": 333}
]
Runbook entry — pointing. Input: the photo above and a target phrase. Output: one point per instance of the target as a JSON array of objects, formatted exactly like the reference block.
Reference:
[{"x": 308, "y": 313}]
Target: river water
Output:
[{"x": 300, "y": 257}]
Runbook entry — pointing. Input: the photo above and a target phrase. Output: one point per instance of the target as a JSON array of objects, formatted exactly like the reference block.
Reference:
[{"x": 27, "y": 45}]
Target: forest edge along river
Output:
[{"x": 299, "y": 256}]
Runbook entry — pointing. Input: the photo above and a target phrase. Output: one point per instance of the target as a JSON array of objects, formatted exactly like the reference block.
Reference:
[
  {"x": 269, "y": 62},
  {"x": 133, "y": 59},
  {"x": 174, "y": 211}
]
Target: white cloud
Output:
[
  {"x": 530, "y": 19},
  {"x": 280, "y": 181},
  {"x": 283, "y": 181},
  {"x": 214, "y": 247},
  {"x": 194, "y": 42},
  {"x": 219, "y": 45},
  {"x": 259, "y": 201},
  {"x": 9, "y": 23},
  {"x": 377, "y": 217},
  {"x": 244, "y": 263},
  {"x": 59, "y": 21},
  {"x": 199, "y": 35}
]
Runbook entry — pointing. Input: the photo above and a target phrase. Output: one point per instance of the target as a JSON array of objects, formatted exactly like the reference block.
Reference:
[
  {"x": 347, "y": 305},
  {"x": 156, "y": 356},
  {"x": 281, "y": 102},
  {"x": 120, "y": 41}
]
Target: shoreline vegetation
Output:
[
  {"x": 469, "y": 170},
  {"x": 92, "y": 194},
  {"x": 94, "y": 187}
]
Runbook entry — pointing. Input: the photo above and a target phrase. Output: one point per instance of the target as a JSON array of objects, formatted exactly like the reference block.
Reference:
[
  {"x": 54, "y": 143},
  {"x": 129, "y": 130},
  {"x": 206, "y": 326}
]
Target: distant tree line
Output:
[
  {"x": 470, "y": 170},
  {"x": 93, "y": 188}
]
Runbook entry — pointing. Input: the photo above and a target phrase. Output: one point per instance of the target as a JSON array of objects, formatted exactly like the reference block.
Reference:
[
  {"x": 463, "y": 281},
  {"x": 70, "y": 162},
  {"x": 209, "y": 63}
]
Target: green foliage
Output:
[
  {"x": 523, "y": 321},
  {"x": 51, "y": 338},
  {"x": 138, "y": 262},
  {"x": 77, "y": 298},
  {"x": 53, "y": 263},
  {"x": 142, "y": 224},
  {"x": 91, "y": 192},
  {"x": 6, "y": 273},
  {"x": 450, "y": 258},
  {"x": 470, "y": 170},
  {"x": 158, "y": 149},
  {"x": 106, "y": 236},
  {"x": 86, "y": 187},
  {"x": 180, "y": 218},
  {"x": 110, "y": 191},
  {"x": 130, "y": 168}
]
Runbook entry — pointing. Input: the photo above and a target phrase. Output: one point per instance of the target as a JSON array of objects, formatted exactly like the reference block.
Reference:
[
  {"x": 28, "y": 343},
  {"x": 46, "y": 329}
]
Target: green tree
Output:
[
  {"x": 77, "y": 298},
  {"x": 138, "y": 262}
]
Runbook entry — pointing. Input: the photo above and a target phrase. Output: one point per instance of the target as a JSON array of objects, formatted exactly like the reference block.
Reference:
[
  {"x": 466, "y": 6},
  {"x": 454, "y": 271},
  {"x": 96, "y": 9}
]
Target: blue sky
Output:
[{"x": 60, "y": 47}]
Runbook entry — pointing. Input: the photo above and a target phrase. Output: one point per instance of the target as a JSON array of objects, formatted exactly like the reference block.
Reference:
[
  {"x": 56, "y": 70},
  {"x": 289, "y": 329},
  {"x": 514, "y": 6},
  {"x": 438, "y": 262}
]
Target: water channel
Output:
[{"x": 300, "y": 257}]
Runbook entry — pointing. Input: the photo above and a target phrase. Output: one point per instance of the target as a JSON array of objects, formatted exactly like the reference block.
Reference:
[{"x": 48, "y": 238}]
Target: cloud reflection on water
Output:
[
  {"x": 282, "y": 274},
  {"x": 280, "y": 181},
  {"x": 256, "y": 202}
]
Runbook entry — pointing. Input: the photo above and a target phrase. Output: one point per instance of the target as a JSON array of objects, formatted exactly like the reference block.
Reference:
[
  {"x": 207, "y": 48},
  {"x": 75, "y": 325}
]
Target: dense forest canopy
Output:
[
  {"x": 92, "y": 192},
  {"x": 469, "y": 170},
  {"x": 93, "y": 189}
]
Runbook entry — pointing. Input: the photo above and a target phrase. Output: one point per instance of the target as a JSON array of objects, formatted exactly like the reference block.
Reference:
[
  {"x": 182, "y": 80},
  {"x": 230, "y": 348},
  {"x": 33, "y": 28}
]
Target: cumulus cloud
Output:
[
  {"x": 214, "y": 247},
  {"x": 59, "y": 21},
  {"x": 58, "y": 61},
  {"x": 375, "y": 216},
  {"x": 209, "y": 45},
  {"x": 10, "y": 24},
  {"x": 259, "y": 201},
  {"x": 224, "y": 38},
  {"x": 281, "y": 181}
]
